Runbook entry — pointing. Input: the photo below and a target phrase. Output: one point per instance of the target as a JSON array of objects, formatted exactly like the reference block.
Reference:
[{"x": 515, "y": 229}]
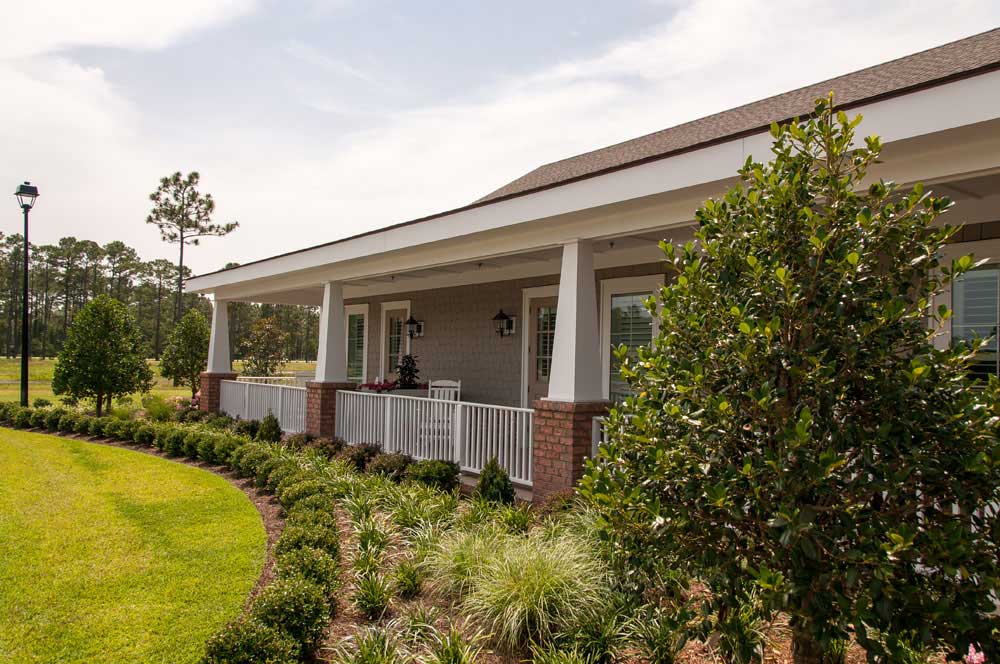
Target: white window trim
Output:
[
  {"x": 527, "y": 295},
  {"x": 621, "y": 286},
  {"x": 354, "y": 310},
  {"x": 387, "y": 307}
]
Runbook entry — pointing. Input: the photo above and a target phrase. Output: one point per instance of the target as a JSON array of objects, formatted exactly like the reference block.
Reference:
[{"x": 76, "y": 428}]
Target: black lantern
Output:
[
  {"x": 503, "y": 324},
  {"x": 414, "y": 327},
  {"x": 26, "y": 194}
]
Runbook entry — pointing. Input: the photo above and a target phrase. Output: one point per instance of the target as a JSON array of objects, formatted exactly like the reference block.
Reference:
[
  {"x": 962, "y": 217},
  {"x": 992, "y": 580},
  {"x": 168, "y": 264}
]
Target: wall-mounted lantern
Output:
[
  {"x": 414, "y": 327},
  {"x": 504, "y": 325}
]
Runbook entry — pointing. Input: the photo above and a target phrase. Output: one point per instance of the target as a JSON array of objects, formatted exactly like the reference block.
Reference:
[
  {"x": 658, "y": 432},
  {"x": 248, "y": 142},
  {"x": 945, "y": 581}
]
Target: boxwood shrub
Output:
[
  {"x": 392, "y": 465},
  {"x": 83, "y": 424},
  {"x": 293, "y": 493},
  {"x": 68, "y": 422},
  {"x": 22, "y": 418},
  {"x": 314, "y": 565},
  {"x": 249, "y": 641},
  {"x": 295, "y": 606},
  {"x": 173, "y": 440},
  {"x": 52, "y": 418},
  {"x": 192, "y": 443},
  {"x": 317, "y": 536},
  {"x": 359, "y": 455},
  {"x": 97, "y": 425},
  {"x": 38, "y": 417},
  {"x": 144, "y": 434},
  {"x": 439, "y": 474}
]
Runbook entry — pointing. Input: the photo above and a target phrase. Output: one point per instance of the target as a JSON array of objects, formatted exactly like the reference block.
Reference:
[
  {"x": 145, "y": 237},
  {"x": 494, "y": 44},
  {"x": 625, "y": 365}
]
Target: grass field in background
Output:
[
  {"x": 112, "y": 555},
  {"x": 40, "y": 378}
]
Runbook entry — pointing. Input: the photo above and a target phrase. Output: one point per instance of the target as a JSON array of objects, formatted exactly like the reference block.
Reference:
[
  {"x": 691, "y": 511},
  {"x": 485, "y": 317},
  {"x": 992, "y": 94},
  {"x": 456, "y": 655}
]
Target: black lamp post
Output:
[{"x": 26, "y": 194}]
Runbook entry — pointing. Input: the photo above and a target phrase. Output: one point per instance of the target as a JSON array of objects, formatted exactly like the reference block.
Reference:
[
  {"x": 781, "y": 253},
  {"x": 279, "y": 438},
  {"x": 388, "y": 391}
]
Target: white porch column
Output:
[
  {"x": 218, "y": 345},
  {"x": 576, "y": 356},
  {"x": 331, "y": 359}
]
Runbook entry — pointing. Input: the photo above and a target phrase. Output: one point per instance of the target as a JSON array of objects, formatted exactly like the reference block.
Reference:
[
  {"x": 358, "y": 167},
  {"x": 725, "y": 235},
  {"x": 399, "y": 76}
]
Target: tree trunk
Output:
[
  {"x": 100, "y": 402},
  {"x": 159, "y": 299},
  {"x": 180, "y": 283},
  {"x": 806, "y": 649}
]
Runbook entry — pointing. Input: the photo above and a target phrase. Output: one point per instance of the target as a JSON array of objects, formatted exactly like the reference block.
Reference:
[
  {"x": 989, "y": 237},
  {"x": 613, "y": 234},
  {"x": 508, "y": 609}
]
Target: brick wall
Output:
[
  {"x": 561, "y": 442},
  {"x": 211, "y": 390},
  {"x": 321, "y": 407},
  {"x": 459, "y": 341}
]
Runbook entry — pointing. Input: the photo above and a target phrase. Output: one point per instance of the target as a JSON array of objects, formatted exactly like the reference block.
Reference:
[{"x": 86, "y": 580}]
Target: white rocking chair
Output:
[{"x": 448, "y": 390}]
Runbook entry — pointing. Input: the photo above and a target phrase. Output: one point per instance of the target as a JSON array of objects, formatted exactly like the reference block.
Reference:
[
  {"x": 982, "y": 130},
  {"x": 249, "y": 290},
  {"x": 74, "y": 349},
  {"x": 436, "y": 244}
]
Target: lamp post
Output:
[{"x": 26, "y": 194}]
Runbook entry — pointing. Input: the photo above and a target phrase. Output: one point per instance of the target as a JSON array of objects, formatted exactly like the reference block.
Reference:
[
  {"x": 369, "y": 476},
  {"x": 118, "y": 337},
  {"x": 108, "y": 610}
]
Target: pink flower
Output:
[{"x": 974, "y": 656}]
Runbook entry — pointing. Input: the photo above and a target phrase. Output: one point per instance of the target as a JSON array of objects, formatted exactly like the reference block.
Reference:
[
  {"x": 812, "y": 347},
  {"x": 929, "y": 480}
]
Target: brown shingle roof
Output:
[{"x": 924, "y": 69}]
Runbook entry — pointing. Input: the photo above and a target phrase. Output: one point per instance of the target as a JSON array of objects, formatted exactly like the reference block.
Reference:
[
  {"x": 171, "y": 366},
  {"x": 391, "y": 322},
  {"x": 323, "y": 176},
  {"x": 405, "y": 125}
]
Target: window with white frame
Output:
[
  {"x": 625, "y": 320},
  {"x": 357, "y": 342},
  {"x": 976, "y": 313}
]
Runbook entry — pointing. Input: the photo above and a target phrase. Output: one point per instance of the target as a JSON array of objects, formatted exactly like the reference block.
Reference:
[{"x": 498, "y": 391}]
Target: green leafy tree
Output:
[
  {"x": 186, "y": 352},
  {"x": 104, "y": 355},
  {"x": 407, "y": 372},
  {"x": 184, "y": 216},
  {"x": 264, "y": 349},
  {"x": 794, "y": 431}
]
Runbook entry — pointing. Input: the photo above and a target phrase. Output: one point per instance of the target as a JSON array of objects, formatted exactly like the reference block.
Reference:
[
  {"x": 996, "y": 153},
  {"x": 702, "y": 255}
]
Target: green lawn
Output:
[
  {"x": 117, "y": 556},
  {"x": 40, "y": 378}
]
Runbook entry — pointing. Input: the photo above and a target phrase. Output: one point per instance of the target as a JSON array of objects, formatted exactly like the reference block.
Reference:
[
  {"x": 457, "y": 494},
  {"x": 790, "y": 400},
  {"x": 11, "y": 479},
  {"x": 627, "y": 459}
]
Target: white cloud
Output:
[
  {"x": 44, "y": 26},
  {"x": 712, "y": 55}
]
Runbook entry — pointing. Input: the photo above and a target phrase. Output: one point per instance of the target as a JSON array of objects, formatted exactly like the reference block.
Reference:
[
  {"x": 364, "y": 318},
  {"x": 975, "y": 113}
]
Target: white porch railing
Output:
[
  {"x": 467, "y": 433},
  {"x": 252, "y": 401},
  {"x": 291, "y": 381}
]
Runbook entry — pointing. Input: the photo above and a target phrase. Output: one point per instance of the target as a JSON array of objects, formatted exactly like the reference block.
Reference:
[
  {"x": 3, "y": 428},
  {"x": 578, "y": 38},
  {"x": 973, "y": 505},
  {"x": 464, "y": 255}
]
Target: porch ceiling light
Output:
[
  {"x": 26, "y": 194},
  {"x": 414, "y": 327},
  {"x": 503, "y": 324}
]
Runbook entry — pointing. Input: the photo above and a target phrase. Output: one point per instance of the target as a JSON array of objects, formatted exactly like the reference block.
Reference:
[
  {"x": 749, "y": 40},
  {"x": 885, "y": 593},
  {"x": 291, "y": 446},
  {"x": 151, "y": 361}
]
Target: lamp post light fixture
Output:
[
  {"x": 414, "y": 327},
  {"x": 26, "y": 194},
  {"x": 504, "y": 324}
]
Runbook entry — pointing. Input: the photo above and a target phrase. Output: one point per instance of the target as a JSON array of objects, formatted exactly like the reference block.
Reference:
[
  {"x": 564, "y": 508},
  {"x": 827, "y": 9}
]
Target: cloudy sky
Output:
[{"x": 317, "y": 119}]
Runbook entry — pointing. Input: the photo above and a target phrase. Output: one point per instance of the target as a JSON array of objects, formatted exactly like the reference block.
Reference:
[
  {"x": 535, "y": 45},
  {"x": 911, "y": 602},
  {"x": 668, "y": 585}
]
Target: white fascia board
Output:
[{"x": 964, "y": 102}]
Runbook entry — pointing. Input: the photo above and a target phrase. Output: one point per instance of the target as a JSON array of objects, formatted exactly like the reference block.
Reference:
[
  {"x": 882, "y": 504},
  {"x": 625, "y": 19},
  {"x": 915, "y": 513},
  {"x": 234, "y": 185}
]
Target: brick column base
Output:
[
  {"x": 321, "y": 407},
  {"x": 561, "y": 440},
  {"x": 210, "y": 398}
]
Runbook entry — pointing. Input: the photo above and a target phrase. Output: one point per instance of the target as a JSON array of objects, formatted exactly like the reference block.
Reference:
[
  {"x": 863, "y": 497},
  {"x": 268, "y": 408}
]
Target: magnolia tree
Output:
[
  {"x": 104, "y": 355},
  {"x": 795, "y": 435},
  {"x": 265, "y": 348},
  {"x": 186, "y": 353}
]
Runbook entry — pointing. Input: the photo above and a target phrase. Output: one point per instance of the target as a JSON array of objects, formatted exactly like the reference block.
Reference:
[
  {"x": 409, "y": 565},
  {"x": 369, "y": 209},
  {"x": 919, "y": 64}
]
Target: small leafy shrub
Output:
[
  {"x": 173, "y": 442},
  {"x": 392, "y": 465},
  {"x": 270, "y": 429},
  {"x": 22, "y": 418},
  {"x": 295, "y": 606},
  {"x": 494, "y": 484},
  {"x": 157, "y": 408},
  {"x": 438, "y": 474},
  {"x": 38, "y": 417},
  {"x": 529, "y": 589},
  {"x": 314, "y": 565},
  {"x": 248, "y": 641},
  {"x": 247, "y": 428},
  {"x": 328, "y": 447},
  {"x": 83, "y": 424},
  {"x": 298, "y": 491},
  {"x": 128, "y": 429},
  {"x": 53, "y": 417},
  {"x": 372, "y": 594},
  {"x": 68, "y": 423},
  {"x": 372, "y": 645},
  {"x": 97, "y": 425},
  {"x": 318, "y": 537},
  {"x": 298, "y": 441},
  {"x": 408, "y": 579},
  {"x": 112, "y": 428},
  {"x": 218, "y": 421},
  {"x": 359, "y": 455},
  {"x": 40, "y": 402},
  {"x": 6, "y": 411},
  {"x": 321, "y": 503},
  {"x": 206, "y": 447},
  {"x": 144, "y": 435},
  {"x": 192, "y": 442}
]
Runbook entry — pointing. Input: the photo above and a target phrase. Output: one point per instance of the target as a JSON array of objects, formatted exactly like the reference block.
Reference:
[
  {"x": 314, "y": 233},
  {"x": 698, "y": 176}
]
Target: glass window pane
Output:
[
  {"x": 976, "y": 311},
  {"x": 545, "y": 327},
  {"x": 632, "y": 325},
  {"x": 355, "y": 347}
]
